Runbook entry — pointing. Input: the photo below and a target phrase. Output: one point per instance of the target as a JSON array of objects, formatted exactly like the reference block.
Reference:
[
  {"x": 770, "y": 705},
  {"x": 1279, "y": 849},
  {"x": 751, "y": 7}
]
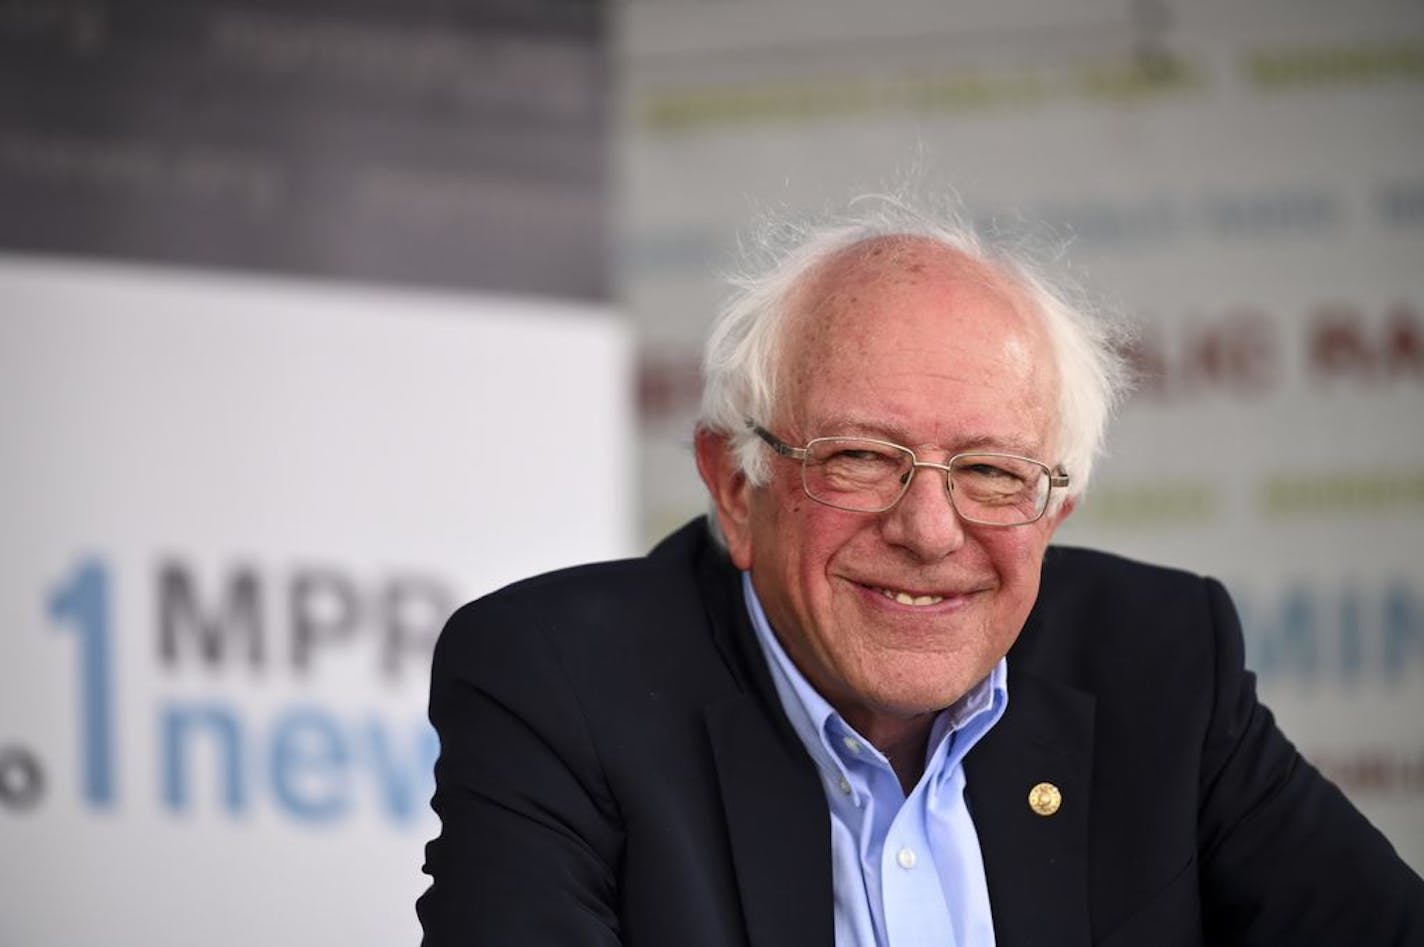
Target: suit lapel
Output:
[
  {"x": 778, "y": 824},
  {"x": 778, "y": 827},
  {"x": 1036, "y": 865}
]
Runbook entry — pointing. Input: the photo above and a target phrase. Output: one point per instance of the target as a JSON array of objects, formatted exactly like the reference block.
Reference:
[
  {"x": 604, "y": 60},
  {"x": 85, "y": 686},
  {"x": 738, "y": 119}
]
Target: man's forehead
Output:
[{"x": 890, "y": 321}]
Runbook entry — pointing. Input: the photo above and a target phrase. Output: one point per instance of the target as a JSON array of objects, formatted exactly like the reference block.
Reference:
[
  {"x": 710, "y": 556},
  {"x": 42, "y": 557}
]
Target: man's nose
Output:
[{"x": 924, "y": 521}]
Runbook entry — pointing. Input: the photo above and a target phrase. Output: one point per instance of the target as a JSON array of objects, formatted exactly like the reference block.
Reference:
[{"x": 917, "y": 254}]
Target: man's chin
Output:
[{"x": 910, "y": 703}]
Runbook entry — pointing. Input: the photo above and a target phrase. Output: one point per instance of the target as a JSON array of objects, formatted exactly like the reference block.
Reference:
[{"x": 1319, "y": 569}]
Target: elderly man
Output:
[{"x": 867, "y": 703}]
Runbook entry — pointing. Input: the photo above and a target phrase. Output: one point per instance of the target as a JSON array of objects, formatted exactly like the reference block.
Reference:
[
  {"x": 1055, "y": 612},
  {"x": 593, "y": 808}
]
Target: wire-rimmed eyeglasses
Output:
[{"x": 866, "y": 475}]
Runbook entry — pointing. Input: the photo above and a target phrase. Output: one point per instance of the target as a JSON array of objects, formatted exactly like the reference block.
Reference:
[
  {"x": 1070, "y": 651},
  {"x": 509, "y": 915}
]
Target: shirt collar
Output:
[{"x": 817, "y": 723}]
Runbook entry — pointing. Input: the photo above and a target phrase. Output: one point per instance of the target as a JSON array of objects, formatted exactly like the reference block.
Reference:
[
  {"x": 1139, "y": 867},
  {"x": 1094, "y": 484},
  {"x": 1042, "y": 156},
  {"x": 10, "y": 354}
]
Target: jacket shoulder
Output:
[
  {"x": 1084, "y": 584},
  {"x": 1068, "y": 566},
  {"x": 1099, "y": 613},
  {"x": 613, "y": 602}
]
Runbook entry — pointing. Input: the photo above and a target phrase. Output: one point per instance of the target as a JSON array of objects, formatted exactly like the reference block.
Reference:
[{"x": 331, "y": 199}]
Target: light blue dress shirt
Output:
[{"x": 907, "y": 871}]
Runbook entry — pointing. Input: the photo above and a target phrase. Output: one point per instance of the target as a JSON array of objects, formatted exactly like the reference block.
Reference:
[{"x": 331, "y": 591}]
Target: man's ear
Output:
[
  {"x": 730, "y": 492},
  {"x": 1057, "y": 517}
]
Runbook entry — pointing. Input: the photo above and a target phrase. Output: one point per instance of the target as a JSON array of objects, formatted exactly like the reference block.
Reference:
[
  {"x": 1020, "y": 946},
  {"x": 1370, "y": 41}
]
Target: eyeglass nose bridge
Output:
[{"x": 909, "y": 475}]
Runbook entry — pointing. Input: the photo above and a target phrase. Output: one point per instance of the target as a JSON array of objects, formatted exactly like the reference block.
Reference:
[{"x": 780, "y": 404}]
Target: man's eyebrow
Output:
[
  {"x": 855, "y": 426},
  {"x": 988, "y": 442}
]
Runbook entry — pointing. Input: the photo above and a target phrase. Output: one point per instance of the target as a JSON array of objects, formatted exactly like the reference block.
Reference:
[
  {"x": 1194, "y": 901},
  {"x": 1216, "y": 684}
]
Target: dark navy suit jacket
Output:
[{"x": 616, "y": 768}]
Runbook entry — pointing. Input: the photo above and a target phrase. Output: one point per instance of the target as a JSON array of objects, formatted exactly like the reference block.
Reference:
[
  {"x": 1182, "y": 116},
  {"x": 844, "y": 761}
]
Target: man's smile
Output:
[
  {"x": 921, "y": 597},
  {"x": 905, "y": 598}
]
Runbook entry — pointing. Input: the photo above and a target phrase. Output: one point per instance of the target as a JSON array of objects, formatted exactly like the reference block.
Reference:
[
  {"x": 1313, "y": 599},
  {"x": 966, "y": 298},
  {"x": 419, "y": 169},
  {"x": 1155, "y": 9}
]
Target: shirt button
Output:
[
  {"x": 844, "y": 785},
  {"x": 906, "y": 858},
  {"x": 852, "y": 744}
]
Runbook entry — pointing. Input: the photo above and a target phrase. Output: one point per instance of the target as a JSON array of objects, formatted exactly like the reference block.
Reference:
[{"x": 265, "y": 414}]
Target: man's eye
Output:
[
  {"x": 862, "y": 460},
  {"x": 991, "y": 472}
]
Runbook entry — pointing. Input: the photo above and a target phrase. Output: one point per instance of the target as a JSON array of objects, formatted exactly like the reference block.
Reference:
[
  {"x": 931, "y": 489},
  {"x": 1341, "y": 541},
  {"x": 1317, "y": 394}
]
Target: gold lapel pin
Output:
[{"x": 1045, "y": 799}]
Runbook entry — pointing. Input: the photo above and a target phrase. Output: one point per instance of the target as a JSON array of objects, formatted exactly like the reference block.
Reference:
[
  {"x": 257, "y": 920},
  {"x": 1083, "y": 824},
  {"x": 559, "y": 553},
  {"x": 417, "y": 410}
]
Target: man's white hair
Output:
[{"x": 739, "y": 366}]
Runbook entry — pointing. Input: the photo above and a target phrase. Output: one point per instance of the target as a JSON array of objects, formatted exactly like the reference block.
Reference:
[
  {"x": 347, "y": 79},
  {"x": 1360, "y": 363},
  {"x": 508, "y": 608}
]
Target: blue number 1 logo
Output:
[{"x": 83, "y": 603}]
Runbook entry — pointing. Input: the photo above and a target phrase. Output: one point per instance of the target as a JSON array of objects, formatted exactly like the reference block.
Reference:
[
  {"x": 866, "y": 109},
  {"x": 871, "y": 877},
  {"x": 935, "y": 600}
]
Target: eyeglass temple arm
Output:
[{"x": 776, "y": 443}]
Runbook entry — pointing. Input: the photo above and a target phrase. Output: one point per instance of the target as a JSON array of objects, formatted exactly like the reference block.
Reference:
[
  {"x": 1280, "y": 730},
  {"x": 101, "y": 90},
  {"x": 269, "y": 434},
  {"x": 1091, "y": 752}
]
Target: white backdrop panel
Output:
[{"x": 236, "y": 512}]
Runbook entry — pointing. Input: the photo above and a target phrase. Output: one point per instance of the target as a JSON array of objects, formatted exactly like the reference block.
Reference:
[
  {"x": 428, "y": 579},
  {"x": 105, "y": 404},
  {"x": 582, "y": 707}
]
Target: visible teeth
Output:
[{"x": 905, "y": 598}]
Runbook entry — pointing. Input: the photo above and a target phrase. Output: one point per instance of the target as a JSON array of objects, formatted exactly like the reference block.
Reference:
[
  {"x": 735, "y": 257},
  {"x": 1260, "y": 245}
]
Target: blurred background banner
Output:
[
  {"x": 304, "y": 340},
  {"x": 1244, "y": 180},
  {"x": 238, "y": 511},
  {"x": 318, "y": 318}
]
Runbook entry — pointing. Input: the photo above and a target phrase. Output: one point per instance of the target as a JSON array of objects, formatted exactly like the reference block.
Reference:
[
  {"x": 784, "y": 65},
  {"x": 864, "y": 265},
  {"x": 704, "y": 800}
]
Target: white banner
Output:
[{"x": 236, "y": 513}]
